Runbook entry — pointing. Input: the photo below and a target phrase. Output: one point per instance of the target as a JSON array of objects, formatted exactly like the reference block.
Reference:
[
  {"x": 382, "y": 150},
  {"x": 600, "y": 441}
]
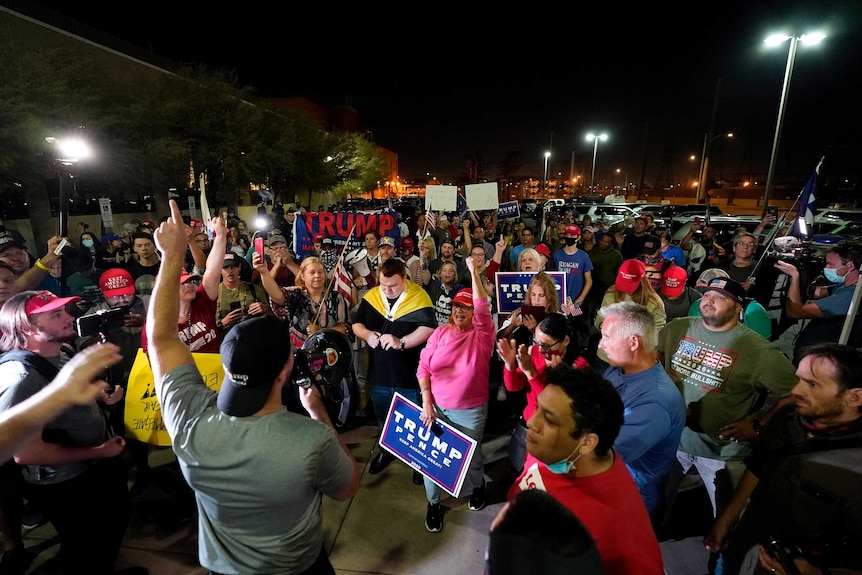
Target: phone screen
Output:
[
  {"x": 235, "y": 305},
  {"x": 537, "y": 311},
  {"x": 258, "y": 247}
]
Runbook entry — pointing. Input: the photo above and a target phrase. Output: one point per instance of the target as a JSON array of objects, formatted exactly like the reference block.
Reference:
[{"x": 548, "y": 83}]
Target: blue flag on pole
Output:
[{"x": 807, "y": 206}]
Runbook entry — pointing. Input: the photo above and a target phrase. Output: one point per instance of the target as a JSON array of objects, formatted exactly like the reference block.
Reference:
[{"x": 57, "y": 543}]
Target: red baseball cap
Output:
[
  {"x": 673, "y": 281},
  {"x": 543, "y": 249},
  {"x": 318, "y": 238},
  {"x": 45, "y": 301},
  {"x": 629, "y": 276},
  {"x": 464, "y": 297},
  {"x": 572, "y": 230},
  {"x": 184, "y": 277},
  {"x": 116, "y": 281}
]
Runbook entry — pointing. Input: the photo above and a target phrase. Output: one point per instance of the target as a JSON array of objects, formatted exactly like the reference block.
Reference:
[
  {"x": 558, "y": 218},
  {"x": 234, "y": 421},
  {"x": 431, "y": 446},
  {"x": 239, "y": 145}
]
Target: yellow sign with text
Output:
[{"x": 143, "y": 415}]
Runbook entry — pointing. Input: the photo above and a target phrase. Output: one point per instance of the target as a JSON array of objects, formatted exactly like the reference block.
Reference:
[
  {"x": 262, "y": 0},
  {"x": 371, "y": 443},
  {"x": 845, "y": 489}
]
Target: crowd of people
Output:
[{"x": 660, "y": 362}]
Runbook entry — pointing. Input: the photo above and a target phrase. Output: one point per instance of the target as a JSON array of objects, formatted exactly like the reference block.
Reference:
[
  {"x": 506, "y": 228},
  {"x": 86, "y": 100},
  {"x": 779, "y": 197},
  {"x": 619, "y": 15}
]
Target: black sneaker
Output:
[
  {"x": 418, "y": 478},
  {"x": 380, "y": 462},
  {"x": 434, "y": 518},
  {"x": 477, "y": 498}
]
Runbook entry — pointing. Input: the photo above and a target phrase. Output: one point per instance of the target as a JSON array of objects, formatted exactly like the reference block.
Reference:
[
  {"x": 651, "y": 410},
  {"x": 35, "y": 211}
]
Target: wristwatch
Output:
[{"x": 402, "y": 342}]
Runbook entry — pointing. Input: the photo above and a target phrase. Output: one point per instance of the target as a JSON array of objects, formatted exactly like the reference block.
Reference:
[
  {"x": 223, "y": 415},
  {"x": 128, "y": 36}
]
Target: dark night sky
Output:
[{"x": 436, "y": 86}]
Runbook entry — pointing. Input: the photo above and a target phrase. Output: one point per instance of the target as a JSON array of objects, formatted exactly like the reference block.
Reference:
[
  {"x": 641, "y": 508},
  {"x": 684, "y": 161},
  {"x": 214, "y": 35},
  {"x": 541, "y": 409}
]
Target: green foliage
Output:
[{"x": 148, "y": 126}]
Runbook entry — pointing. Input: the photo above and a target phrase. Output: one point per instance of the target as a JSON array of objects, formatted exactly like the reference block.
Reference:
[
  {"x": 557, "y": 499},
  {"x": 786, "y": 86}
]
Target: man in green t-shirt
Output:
[{"x": 724, "y": 371}]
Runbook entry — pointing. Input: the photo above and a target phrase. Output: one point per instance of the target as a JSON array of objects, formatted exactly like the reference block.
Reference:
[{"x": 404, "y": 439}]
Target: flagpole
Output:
[
  {"x": 773, "y": 234},
  {"x": 335, "y": 273}
]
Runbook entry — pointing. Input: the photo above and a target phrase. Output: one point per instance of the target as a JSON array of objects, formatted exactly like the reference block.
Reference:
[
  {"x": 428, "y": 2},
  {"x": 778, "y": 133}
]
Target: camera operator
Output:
[
  {"x": 828, "y": 310},
  {"x": 119, "y": 319}
]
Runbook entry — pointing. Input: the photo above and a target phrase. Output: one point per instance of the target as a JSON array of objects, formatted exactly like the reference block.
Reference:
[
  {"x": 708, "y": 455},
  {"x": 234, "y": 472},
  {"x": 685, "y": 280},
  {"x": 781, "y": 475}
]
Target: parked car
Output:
[
  {"x": 826, "y": 220},
  {"x": 849, "y": 230},
  {"x": 725, "y": 226}
]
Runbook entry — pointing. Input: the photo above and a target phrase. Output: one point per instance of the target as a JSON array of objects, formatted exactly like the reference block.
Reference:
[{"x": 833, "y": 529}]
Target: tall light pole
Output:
[
  {"x": 704, "y": 163},
  {"x": 595, "y": 138},
  {"x": 775, "y": 40},
  {"x": 545, "y": 178},
  {"x": 67, "y": 154},
  {"x": 625, "y": 187}
]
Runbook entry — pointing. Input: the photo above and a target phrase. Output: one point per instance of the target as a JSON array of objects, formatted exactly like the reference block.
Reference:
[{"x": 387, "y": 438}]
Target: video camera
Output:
[
  {"x": 801, "y": 254},
  {"x": 325, "y": 361},
  {"x": 101, "y": 322}
]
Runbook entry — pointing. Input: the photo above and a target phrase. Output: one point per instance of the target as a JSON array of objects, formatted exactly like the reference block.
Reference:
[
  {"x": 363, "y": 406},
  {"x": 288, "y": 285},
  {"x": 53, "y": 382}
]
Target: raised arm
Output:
[
  {"x": 273, "y": 290},
  {"x": 215, "y": 259},
  {"x": 165, "y": 350},
  {"x": 33, "y": 276}
]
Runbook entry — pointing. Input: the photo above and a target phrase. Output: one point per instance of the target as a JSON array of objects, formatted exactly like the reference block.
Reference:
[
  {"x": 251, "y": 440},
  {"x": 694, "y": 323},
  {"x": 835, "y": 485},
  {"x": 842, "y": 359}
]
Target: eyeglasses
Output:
[
  {"x": 546, "y": 348},
  {"x": 746, "y": 244}
]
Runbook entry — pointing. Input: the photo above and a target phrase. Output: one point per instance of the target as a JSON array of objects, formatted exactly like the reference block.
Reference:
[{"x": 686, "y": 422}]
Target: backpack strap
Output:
[{"x": 32, "y": 360}]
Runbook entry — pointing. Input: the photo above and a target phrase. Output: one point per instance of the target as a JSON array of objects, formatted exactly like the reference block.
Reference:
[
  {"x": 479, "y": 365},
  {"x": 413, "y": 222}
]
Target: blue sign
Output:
[
  {"x": 512, "y": 288},
  {"x": 442, "y": 453},
  {"x": 508, "y": 210},
  {"x": 337, "y": 225}
]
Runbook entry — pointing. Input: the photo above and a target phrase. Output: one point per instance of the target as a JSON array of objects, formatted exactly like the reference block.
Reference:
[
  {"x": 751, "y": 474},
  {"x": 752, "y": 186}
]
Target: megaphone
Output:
[{"x": 358, "y": 260}]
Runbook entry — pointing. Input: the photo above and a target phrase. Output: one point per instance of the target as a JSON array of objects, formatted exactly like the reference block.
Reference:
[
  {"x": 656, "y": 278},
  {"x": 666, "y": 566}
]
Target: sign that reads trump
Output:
[{"x": 441, "y": 453}]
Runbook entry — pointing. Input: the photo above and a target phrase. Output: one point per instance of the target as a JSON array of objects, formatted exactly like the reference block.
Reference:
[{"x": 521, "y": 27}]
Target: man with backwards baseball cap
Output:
[
  {"x": 722, "y": 369},
  {"x": 260, "y": 507}
]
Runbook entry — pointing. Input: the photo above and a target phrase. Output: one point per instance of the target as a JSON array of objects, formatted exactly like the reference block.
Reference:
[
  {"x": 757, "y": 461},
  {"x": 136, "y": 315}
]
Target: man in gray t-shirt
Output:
[{"x": 259, "y": 472}]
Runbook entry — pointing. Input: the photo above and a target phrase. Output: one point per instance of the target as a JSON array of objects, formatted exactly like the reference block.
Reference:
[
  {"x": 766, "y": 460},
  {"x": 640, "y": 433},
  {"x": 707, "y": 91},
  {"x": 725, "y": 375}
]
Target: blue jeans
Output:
[
  {"x": 381, "y": 397},
  {"x": 472, "y": 423}
]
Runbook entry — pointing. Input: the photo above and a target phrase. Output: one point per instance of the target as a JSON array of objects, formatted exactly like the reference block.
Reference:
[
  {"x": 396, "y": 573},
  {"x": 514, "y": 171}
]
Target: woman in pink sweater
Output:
[{"x": 453, "y": 383}]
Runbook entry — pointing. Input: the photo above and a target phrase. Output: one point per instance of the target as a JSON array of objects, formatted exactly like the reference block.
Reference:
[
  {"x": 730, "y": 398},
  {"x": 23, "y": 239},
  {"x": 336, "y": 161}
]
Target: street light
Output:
[
  {"x": 594, "y": 138},
  {"x": 545, "y": 180},
  {"x": 704, "y": 163},
  {"x": 625, "y": 187},
  {"x": 67, "y": 154},
  {"x": 775, "y": 40}
]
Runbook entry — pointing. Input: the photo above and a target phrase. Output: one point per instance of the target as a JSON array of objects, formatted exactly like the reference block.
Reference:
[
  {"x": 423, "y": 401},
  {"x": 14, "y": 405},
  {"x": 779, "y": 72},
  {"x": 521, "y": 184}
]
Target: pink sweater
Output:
[{"x": 457, "y": 361}]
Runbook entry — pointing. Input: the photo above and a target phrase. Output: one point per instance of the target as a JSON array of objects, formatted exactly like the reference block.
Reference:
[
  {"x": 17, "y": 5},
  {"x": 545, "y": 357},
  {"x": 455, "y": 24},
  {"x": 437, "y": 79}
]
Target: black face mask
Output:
[{"x": 570, "y": 241}]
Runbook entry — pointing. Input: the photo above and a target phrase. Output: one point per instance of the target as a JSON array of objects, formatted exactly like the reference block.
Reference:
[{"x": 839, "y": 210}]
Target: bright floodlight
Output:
[
  {"x": 591, "y": 137},
  {"x": 812, "y": 38},
  {"x": 70, "y": 150}
]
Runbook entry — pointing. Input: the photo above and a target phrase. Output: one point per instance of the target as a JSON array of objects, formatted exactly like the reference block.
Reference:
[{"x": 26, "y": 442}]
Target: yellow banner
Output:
[{"x": 143, "y": 415}]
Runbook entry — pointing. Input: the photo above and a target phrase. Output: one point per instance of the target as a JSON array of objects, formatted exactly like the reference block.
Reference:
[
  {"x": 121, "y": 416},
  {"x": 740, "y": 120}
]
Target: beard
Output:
[
  {"x": 716, "y": 319},
  {"x": 824, "y": 410}
]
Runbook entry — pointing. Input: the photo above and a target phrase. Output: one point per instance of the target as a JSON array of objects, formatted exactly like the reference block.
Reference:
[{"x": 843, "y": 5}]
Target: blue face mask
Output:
[
  {"x": 832, "y": 275},
  {"x": 565, "y": 466},
  {"x": 87, "y": 243}
]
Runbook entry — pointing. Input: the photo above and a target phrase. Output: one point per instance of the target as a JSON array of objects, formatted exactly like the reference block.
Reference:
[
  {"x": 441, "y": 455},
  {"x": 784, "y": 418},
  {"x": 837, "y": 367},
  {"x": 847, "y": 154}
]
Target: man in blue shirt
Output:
[
  {"x": 654, "y": 409},
  {"x": 577, "y": 265}
]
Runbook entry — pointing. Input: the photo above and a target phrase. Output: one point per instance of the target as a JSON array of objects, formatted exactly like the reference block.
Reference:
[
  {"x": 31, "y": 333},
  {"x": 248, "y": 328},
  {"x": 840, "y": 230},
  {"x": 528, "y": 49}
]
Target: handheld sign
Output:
[{"x": 442, "y": 453}]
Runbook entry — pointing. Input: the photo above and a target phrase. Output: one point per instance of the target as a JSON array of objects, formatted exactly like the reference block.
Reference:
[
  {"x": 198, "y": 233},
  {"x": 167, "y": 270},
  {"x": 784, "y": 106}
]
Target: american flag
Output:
[
  {"x": 343, "y": 281},
  {"x": 431, "y": 218},
  {"x": 807, "y": 205}
]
